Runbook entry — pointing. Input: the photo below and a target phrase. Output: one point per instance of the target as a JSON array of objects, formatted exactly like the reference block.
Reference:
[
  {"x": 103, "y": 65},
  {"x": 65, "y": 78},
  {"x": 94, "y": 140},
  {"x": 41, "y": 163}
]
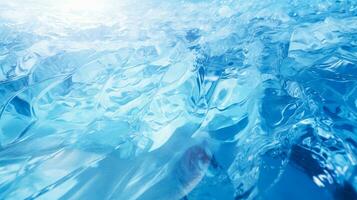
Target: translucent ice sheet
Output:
[{"x": 152, "y": 99}]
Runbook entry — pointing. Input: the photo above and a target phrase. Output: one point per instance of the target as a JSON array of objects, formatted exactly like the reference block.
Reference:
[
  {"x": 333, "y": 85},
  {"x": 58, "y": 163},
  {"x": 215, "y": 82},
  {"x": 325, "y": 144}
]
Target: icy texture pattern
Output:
[{"x": 124, "y": 99}]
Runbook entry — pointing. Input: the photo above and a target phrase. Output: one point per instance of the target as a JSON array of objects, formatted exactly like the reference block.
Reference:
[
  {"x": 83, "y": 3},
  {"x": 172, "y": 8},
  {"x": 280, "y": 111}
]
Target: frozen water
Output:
[{"x": 129, "y": 99}]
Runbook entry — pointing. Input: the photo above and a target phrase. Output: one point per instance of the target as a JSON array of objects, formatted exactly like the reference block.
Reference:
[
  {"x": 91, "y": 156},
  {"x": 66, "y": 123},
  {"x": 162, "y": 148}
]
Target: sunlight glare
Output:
[{"x": 84, "y": 5}]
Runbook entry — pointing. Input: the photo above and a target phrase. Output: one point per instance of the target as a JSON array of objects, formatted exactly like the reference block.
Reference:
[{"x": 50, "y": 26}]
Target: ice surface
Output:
[{"x": 122, "y": 99}]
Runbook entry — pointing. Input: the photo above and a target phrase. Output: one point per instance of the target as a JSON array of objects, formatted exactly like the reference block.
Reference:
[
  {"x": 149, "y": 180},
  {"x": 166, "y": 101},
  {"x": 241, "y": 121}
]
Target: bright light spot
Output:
[
  {"x": 318, "y": 181},
  {"x": 84, "y": 5},
  {"x": 85, "y": 11}
]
